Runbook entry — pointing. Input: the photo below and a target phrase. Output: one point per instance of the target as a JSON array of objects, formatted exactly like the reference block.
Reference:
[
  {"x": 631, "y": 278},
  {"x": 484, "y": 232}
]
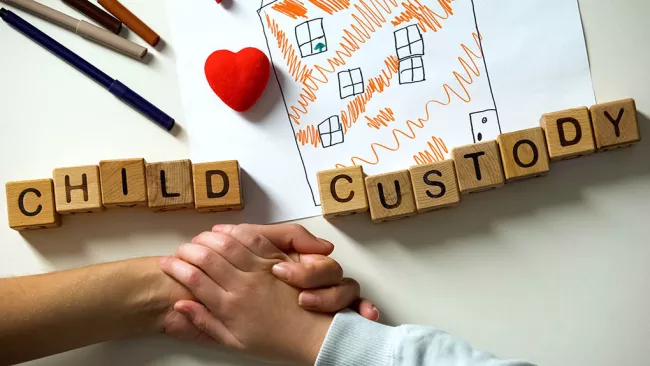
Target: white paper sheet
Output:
[{"x": 382, "y": 83}]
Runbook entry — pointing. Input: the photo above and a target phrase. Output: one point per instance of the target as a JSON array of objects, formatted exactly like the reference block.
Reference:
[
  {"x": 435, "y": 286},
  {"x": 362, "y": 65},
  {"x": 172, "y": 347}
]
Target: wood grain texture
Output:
[
  {"x": 30, "y": 205},
  {"x": 435, "y": 186},
  {"x": 169, "y": 185},
  {"x": 390, "y": 196},
  {"x": 615, "y": 124},
  {"x": 478, "y": 167},
  {"x": 77, "y": 189},
  {"x": 217, "y": 186},
  {"x": 342, "y": 191},
  {"x": 124, "y": 182},
  {"x": 568, "y": 133},
  {"x": 524, "y": 154}
]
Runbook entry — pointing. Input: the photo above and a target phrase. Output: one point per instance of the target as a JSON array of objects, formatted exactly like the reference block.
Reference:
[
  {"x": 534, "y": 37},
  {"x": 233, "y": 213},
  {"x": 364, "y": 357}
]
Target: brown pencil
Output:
[
  {"x": 133, "y": 22},
  {"x": 95, "y": 13}
]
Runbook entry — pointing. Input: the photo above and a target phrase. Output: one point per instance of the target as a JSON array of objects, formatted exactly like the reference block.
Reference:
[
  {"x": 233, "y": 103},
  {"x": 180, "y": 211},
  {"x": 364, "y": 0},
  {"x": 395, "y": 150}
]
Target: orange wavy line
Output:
[
  {"x": 331, "y": 6},
  {"x": 309, "y": 135},
  {"x": 297, "y": 69},
  {"x": 435, "y": 152},
  {"x": 426, "y": 18},
  {"x": 385, "y": 116},
  {"x": 462, "y": 81},
  {"x": 291, "y": 8}
]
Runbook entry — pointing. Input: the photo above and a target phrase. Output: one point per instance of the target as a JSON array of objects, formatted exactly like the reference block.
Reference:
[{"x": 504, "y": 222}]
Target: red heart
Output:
[{"x": 239, "y": 79}]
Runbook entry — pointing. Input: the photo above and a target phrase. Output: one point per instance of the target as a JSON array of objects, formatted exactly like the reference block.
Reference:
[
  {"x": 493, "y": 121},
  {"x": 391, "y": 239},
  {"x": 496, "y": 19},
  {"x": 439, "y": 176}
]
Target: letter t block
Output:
[
  {"x": 478, "y": 167},
  {"x": 342, "y": 191},
  {"x": 217, "y": 186}
]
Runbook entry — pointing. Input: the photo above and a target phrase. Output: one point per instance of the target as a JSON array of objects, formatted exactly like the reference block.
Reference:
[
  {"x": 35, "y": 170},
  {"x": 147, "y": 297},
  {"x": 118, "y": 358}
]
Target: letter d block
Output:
[
  {"x": 342, "y": 191},
  {"x": 390, "y": 196},
  {"x": 478, "y": 167},
  {"x": 524, "y": 154},
  {"x": 30, "y": 205},
  {"x": 217, "y": 186},
  {"x": 615, "y": 124},
  {"x": 124, "y": 182},
  {"x": 435, "y": 186},
  {"x": 568, "y": 133},
  {"x": 169, "y": 185},
  {"x": 77, "y": 189}
]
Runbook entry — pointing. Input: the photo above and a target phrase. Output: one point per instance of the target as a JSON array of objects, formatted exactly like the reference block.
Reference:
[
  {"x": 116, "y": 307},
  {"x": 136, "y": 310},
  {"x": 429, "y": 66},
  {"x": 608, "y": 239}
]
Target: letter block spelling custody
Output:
[
  {"x": 390, "y": 196},
  {"x": 30, "y": 205},
  {"x": 217, "y": 186},
  {"x": 524, "y": 154},
  {"x": 568, "y": 133},
  {"x": 478, "y": 167},
  {"x": 615, "y": 124},
  {"x": 342, "y": 191},
  {"x": 435, "y": 186}
]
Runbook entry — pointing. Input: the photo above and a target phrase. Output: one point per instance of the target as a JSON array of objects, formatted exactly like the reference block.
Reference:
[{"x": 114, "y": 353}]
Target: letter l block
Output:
[
  {"x": 342, "y": 191},
  {"x": 169, "y": 185},
  {"x": 217, "y": 186}
]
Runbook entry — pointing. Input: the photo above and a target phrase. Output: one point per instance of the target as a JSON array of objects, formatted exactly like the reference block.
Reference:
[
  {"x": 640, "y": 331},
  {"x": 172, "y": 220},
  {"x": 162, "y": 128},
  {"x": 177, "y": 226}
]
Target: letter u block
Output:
[
  {"x": 217, "y": 186},
  {"x": 568, "y": 133},
  {"x": 77, "y": 189},
  {"x": 342, "y": 191},
  {"x": 390, "y": 196},
  {"x": 30, "y": 205},
  {"x": 169, "y": 185}
]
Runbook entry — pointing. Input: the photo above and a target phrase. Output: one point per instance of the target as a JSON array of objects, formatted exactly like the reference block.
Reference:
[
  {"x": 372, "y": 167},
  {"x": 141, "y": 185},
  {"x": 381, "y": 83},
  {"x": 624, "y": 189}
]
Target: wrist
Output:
[{"x": 316, "y": 337}]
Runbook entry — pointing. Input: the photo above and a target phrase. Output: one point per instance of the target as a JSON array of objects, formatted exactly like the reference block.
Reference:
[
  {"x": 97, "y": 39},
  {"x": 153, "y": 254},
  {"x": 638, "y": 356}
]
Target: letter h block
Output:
[
  {"x": 169, "y": 185},
  {"x": 77, "y": 189},
  {"x": 217, "y": 186},
  {"x": 30, "y": 205},
  {"x": 342, "y": 191},
  {"x": 568, "y": 133},
  {"x": 390, "y": 196}
]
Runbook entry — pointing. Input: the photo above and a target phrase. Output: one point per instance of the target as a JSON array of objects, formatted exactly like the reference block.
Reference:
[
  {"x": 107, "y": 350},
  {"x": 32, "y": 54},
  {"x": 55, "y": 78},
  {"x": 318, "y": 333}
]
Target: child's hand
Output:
[{"x": 245, "y": 306}]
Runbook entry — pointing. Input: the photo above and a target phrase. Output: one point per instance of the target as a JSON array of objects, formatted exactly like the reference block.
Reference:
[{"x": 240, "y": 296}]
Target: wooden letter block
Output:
[
  {"x": 435, "y": 186},
  {"x": 568, "y": 133},
  {"x": 30, "y": 205},
  {"x": 524, "y": 154},
  {"x": 342, "y": 191},
  {"x": 615, "y": 124},
  {"x": 169, "y": 185},
  {"x": 478, "y": 167},
  {"x": 217, "y": 186},
  {"x": 124, "y": 183},
  {"x": 77, "y": 189},
  {"x": 390, "y": 196}
]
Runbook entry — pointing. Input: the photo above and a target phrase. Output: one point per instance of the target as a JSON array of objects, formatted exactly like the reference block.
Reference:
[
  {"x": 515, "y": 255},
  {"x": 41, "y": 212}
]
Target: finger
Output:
[
  {"x": 330, "y": 300},
  {"x": 367, "y": 309},
  {"x": 180, "y": 327},
  {"x": 253, "y": 241},
  {"x": 195, "y": 280},
  {"x": 207, "y": 323},
  {"x": 292, "y": 238},
  {"x": 230, "y": 249},
  {"x": 315, "y": 273},
  {"x": 211, "y": 263}
]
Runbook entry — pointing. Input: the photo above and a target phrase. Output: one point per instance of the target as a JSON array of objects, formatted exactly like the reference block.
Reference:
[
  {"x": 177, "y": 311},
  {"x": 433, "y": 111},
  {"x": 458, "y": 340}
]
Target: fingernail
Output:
[
  {"x": 217, "y": 227},
  {"x": 308, "y": 300},
  {"x": 281, "y": 270},
  {"x": 325, "y": 242},
  {"x": 376, "y": 311}
]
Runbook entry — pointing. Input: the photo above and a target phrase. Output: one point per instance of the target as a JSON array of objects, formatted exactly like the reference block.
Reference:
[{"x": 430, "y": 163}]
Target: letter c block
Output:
[
  {"x": 568, "y": 133},
  {"x": 390, "y": 196},
  {"x": 30, "y": 205},
  {"x": 342, "y": 191},
  {"x": 217, "y": 186}
]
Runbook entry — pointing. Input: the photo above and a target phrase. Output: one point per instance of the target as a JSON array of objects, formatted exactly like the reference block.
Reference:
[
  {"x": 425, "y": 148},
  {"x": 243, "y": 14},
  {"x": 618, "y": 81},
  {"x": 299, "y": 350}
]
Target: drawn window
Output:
[
  {"x": 331, "y": 132},
  {"x": 408, "y": 42},
  {"x": 311, "y": 37},
  {"x": 411, "y": 70},
  {"x": 351, "y": 83}
]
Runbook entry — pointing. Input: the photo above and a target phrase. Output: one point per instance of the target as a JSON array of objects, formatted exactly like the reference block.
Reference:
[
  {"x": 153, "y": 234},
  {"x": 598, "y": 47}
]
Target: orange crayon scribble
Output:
[
  {"x": 297, "y": 69},
  {"x": 435, "y": 152},
  {"x": 331, "y": 6},
  {"x": 309, "y": 135},
  {"x": 427, "y": 19},
  {"x": 291, "y": 8},
  {"x": 385, "y": 116}
]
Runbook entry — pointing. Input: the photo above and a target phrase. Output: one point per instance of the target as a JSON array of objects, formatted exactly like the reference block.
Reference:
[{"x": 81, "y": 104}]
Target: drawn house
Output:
[{"x": 374, "y": 82}]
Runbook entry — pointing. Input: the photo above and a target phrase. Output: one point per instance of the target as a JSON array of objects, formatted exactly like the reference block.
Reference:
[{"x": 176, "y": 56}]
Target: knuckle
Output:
[
  {"x": 204, "y": 258},
  {"x": 337, "y": 270},
  {"x": 203, "y": 237},
  {"x": 352, "y": 285},
  {"x": 297, "y": 228},
  {"x": 227, "y": 245},
  {"x": 193, "y": 277}
]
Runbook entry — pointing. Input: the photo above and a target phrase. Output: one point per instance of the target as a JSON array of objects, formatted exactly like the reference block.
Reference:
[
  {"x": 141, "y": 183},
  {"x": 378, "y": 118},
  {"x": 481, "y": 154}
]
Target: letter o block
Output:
[
  {"x": 169, "y": 185},
  {"x": 342, "y": 191},
  {"x": 478, "y": 167},
  {"x": 390, "y": 196},
  {"x": 30, "y": 205},
  {"x": 435, "y": 186},
  {"x": 77, "y": 189},
  {"x": 524, "y": 154},
  {"x": 217, "y": 186},
  {"x": 568, "y": 133}
]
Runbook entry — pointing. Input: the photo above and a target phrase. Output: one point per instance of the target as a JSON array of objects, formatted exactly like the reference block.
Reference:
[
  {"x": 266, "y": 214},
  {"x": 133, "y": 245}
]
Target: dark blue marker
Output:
[{"x": 118, "y": 89}]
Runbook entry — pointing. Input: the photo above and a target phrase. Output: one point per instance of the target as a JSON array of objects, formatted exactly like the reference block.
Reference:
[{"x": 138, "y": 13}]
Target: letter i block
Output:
[
  {"x": 217, "y": 186},
  {"x": 30, "y": 205},
  {"x": 342, "y": 191},
  {"x": 478, "y": 167},
  {"x": 124, "y": 182},
  {"x": 77, "y": 189},
  {"x": 524, "y": 154},
  {"x": 568, "y": 133},
  {"x": 615, "y": 124},
  {"x": 435, "y": 186},
  {"x": 169, "y": 185},
  {"x": 390, "y": 196}
]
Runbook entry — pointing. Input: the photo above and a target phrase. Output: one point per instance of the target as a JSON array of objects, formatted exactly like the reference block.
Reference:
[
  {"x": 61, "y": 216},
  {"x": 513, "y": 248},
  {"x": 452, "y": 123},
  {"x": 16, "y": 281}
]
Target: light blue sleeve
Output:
[{"x": 354, "y": 341}]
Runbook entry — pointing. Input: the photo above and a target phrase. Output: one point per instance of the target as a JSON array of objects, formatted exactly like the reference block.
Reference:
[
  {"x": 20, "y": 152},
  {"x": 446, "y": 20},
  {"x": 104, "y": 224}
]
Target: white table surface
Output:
[{"x": 553, "y": 270}]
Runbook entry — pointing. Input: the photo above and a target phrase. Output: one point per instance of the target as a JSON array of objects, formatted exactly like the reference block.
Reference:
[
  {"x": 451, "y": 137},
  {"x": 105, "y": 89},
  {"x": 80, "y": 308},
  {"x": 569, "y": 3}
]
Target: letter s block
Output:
[
  {"x": 568, "y": 133},
  {"x": 615, "y": 124},
  {"x": 524, "y": 154},
  {"x": 169, "y": 185},
  {"x": 30, "y": 205},
  {"x": 217, "y": 186},
  {"x": 478, "y": 167},
  {"x": 390, "y": 196},
  {"x": 77, "y": 189},
  {"x": 124, "y": 182},
  {"x": 342, "y": 191},
  {"x": 435, "y": 186}
]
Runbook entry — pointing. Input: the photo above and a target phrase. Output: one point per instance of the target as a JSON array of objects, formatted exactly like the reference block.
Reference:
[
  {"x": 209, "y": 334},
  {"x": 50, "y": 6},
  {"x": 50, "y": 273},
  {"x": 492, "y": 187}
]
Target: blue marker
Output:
[{"x": 118, "y": 89}]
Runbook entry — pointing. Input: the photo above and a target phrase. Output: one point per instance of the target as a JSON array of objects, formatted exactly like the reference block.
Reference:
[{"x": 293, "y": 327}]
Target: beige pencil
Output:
[{"x": 81, "y": 27}]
